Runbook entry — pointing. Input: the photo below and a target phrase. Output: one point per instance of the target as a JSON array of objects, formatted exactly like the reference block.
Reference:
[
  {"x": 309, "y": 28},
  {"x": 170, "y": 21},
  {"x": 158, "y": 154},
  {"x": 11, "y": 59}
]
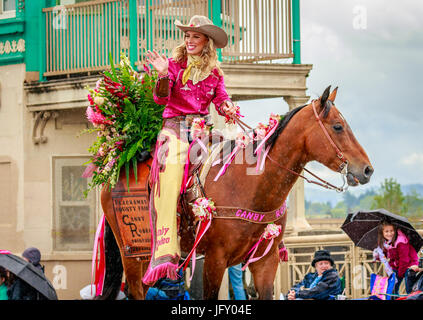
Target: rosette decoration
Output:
[
  {"x": 237, "y": 115},
  {"x": 271, "y": 232},
  {"x": 204, "y": 210},
  {"x": 261, "y": 133},
  {"x": 199, "y": 128},
  {"x": 126, "y": 120}
]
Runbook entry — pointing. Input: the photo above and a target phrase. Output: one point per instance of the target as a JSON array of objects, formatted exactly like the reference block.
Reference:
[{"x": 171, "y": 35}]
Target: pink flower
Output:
[
  {"x": 97, "y": 84},
  {"x": 89, "y": 170},
  {"x": 261, "y": 131},
  {"x": 242, "y": 140},
  {"x": 147, "y": 70},
  {"x": 90, "y": 99},
  {"x": 272, "y": 231}
]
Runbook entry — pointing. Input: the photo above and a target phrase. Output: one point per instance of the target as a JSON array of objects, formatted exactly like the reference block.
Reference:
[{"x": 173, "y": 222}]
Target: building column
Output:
[{"x": 296, "y": 220}]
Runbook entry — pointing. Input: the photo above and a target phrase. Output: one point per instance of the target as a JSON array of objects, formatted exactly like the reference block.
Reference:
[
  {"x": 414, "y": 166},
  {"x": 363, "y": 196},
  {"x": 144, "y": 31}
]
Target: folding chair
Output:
[{"x": 382, "y": 288}]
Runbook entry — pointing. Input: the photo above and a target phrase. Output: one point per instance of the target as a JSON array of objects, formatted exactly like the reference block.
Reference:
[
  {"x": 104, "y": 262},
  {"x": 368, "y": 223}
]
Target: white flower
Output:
[{"x": 99, "y": 100}]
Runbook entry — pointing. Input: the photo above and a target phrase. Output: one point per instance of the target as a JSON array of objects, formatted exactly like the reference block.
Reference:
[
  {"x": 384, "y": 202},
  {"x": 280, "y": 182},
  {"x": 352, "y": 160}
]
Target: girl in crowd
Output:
[{"x": 402, "y": 256}]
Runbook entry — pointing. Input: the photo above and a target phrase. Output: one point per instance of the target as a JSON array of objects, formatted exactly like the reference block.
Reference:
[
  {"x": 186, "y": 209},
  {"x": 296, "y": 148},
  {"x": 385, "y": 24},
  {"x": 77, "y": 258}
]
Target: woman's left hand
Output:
[{"x": 229, "y": 109}]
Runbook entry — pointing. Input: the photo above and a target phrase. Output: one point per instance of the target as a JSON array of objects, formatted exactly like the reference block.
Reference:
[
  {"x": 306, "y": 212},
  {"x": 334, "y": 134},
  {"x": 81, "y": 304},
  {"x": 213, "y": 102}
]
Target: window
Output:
[
  {"x": 74, "y": 221},
  {"x": 7, "y": 9}
]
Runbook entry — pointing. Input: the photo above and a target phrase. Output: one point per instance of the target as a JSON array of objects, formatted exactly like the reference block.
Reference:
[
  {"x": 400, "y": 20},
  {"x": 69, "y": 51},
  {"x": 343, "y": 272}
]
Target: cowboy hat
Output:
[{"x": 205, "y": 26}]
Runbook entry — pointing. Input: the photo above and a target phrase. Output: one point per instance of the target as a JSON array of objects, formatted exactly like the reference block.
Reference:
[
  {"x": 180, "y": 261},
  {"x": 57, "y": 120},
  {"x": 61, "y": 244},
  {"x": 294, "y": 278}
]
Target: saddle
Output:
[{"x": 195, "y": 189}]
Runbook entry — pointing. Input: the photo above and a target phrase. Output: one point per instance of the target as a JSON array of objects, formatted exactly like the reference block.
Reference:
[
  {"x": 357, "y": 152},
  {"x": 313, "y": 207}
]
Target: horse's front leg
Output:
[
  {"x": 214, "y": 268},
  {"x": 134, "y": 271},
  {"x": 264, "y": 272}
]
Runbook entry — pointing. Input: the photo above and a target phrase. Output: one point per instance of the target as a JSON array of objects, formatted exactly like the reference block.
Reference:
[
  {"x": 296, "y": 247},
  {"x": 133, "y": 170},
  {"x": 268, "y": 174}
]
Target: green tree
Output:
[
  {"x": 340, "y": 210},
  {"x": 414, "y": 204},
  {"x": 390, "y": 197}
]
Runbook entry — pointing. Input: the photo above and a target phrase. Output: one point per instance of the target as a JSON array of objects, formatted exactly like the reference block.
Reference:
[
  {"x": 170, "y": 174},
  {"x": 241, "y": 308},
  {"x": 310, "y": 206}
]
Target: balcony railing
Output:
[{"x": 80, "y": 37}]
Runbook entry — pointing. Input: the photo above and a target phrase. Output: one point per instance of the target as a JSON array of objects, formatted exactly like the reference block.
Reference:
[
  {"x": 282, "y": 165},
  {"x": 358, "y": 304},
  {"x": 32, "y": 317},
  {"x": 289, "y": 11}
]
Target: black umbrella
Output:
[
  {"x": 28, "y": 273},
  {"x": 362, "y": 228}
]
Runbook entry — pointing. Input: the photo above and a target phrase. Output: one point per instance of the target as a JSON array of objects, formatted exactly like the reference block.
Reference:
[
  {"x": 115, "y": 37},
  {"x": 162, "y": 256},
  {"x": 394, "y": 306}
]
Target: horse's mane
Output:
[
  {"x": 282, "y": 124},
  {"x": 289, "y": 115}
]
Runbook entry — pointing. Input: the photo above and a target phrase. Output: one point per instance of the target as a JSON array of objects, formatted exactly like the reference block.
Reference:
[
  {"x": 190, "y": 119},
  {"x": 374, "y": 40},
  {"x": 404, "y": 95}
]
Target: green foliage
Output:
[
  {"x": 390, "y": 197},
  {"x": 127, "y": 121}
]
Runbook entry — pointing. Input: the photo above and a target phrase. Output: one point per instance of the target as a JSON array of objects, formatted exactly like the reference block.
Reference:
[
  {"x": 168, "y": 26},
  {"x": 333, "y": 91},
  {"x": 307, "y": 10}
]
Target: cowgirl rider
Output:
[{"x": 187, "y": 84}]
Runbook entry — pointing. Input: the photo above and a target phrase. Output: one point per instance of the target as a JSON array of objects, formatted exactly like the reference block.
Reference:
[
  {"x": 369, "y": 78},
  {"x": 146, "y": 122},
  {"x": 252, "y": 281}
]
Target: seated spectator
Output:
[{"x": 319, "y": 285}]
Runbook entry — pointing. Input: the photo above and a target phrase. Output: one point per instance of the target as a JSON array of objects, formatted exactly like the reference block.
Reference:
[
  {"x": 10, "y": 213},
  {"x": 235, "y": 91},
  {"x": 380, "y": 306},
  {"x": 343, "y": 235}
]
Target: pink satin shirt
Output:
[{"x": 190, "y": 98}]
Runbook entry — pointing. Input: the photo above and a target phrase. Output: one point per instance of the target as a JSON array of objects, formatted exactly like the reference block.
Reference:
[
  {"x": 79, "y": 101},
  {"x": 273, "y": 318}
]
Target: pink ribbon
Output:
[
  {"x": 155, "y": 168},
  {"x": 227, "y": 163},
  {"x": 100, "y": 269},
  {"x": 199, "y": 235},
  {"x": 5, "y": 252},
  {"x": 261, "y": 157},
  {"x": 254, "y": 249}
]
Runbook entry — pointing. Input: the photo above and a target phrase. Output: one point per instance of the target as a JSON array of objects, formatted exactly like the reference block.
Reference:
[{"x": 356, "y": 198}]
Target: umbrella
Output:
[
  {"x": 362, "y": 228},
  {"x": 28, "y": 273}
]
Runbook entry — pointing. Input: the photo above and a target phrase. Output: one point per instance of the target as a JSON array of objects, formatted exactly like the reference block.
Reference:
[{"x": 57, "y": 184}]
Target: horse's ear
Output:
[
  {"x": 332, "y": 96},
  {"x": 325, "y": 97}
]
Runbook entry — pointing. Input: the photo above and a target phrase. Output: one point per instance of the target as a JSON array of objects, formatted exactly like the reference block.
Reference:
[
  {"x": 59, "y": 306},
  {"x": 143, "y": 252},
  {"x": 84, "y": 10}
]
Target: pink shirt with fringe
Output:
[{"x": 190, "y": 98}]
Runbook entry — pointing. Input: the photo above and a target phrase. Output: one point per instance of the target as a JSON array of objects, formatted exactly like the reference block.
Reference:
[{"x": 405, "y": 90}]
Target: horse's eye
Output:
[{"x": 338, "y": 128}]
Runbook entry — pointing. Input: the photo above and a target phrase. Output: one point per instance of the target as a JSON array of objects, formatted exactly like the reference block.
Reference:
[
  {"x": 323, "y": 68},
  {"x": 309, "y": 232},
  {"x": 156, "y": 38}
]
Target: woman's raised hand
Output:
[{"x": 159, "y": 62}]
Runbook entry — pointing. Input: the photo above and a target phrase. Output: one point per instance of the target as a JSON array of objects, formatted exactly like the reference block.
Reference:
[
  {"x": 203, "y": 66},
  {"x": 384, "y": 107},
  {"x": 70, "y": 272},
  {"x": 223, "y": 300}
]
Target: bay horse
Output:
[{"x": 313, "y": 132}]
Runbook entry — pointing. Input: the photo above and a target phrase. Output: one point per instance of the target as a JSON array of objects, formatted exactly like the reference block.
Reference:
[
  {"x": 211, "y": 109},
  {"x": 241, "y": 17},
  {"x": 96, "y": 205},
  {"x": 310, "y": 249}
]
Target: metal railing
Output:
[
  {"x": 80, "y": 37},
  {"x": 155, "y": 24},
  {"x": 353, "y": 263},
  {"x": 258, "y": 30}
]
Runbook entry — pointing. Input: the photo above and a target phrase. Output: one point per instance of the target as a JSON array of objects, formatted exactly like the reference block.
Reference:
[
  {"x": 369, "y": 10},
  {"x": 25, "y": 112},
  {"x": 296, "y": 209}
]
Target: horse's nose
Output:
[{"x": 368, "y": 171}]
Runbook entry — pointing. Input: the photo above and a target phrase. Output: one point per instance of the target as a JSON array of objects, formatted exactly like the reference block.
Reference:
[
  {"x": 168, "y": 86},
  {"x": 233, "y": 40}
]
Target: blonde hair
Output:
[{"x": 208, "y": 55}]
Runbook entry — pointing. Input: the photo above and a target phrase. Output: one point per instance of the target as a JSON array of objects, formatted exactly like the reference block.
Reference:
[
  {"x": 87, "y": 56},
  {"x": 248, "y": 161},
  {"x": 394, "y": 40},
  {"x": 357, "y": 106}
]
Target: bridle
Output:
[{"x": 343, "y": 167}]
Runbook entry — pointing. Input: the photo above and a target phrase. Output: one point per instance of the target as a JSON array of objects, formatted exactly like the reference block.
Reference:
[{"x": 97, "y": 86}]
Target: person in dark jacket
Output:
[
  {"x": 320, "y": 285},
  {"x": 20, "y": 290}
]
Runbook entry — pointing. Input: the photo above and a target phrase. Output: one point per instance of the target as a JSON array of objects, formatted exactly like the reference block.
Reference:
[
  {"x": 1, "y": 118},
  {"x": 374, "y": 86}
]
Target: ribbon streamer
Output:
[
  {"x": 255, "y": 247},
  {"x": 201, "y": 230},
  {"x": 100, "y": 268},
  {"x": 227, "y": 163}
]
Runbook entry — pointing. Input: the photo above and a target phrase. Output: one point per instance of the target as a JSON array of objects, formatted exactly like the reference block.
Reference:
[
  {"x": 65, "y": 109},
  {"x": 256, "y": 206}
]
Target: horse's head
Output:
[{"x": 332, "y": 143}]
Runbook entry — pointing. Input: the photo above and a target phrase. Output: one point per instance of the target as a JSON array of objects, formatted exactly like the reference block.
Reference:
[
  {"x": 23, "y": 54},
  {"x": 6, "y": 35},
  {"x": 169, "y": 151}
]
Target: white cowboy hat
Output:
[{"x": 205, "y": 26}]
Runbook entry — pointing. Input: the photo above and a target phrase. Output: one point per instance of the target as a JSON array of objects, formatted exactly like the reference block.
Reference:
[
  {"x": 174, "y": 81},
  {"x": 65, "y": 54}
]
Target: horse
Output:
[{"x": 313, "y": 132}]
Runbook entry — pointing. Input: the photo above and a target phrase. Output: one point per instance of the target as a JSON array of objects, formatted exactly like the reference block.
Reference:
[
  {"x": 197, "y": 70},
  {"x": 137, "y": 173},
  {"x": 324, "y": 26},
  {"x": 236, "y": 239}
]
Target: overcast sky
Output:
[{"x": 373, "y": 51}]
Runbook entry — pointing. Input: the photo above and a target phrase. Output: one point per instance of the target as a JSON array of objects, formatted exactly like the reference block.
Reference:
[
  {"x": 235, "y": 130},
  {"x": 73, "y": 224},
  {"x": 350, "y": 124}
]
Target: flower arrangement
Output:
[
  {"x": 203, "y": 208},
  {"x": 242, "y": 140},
  {"x": 199, "y": 129},
  {"x": 231, "y": 120},
  {"x": 126, "y": 119},
  {"x": 271, "y": 231},
  {"x": 262, "y": 130}
]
